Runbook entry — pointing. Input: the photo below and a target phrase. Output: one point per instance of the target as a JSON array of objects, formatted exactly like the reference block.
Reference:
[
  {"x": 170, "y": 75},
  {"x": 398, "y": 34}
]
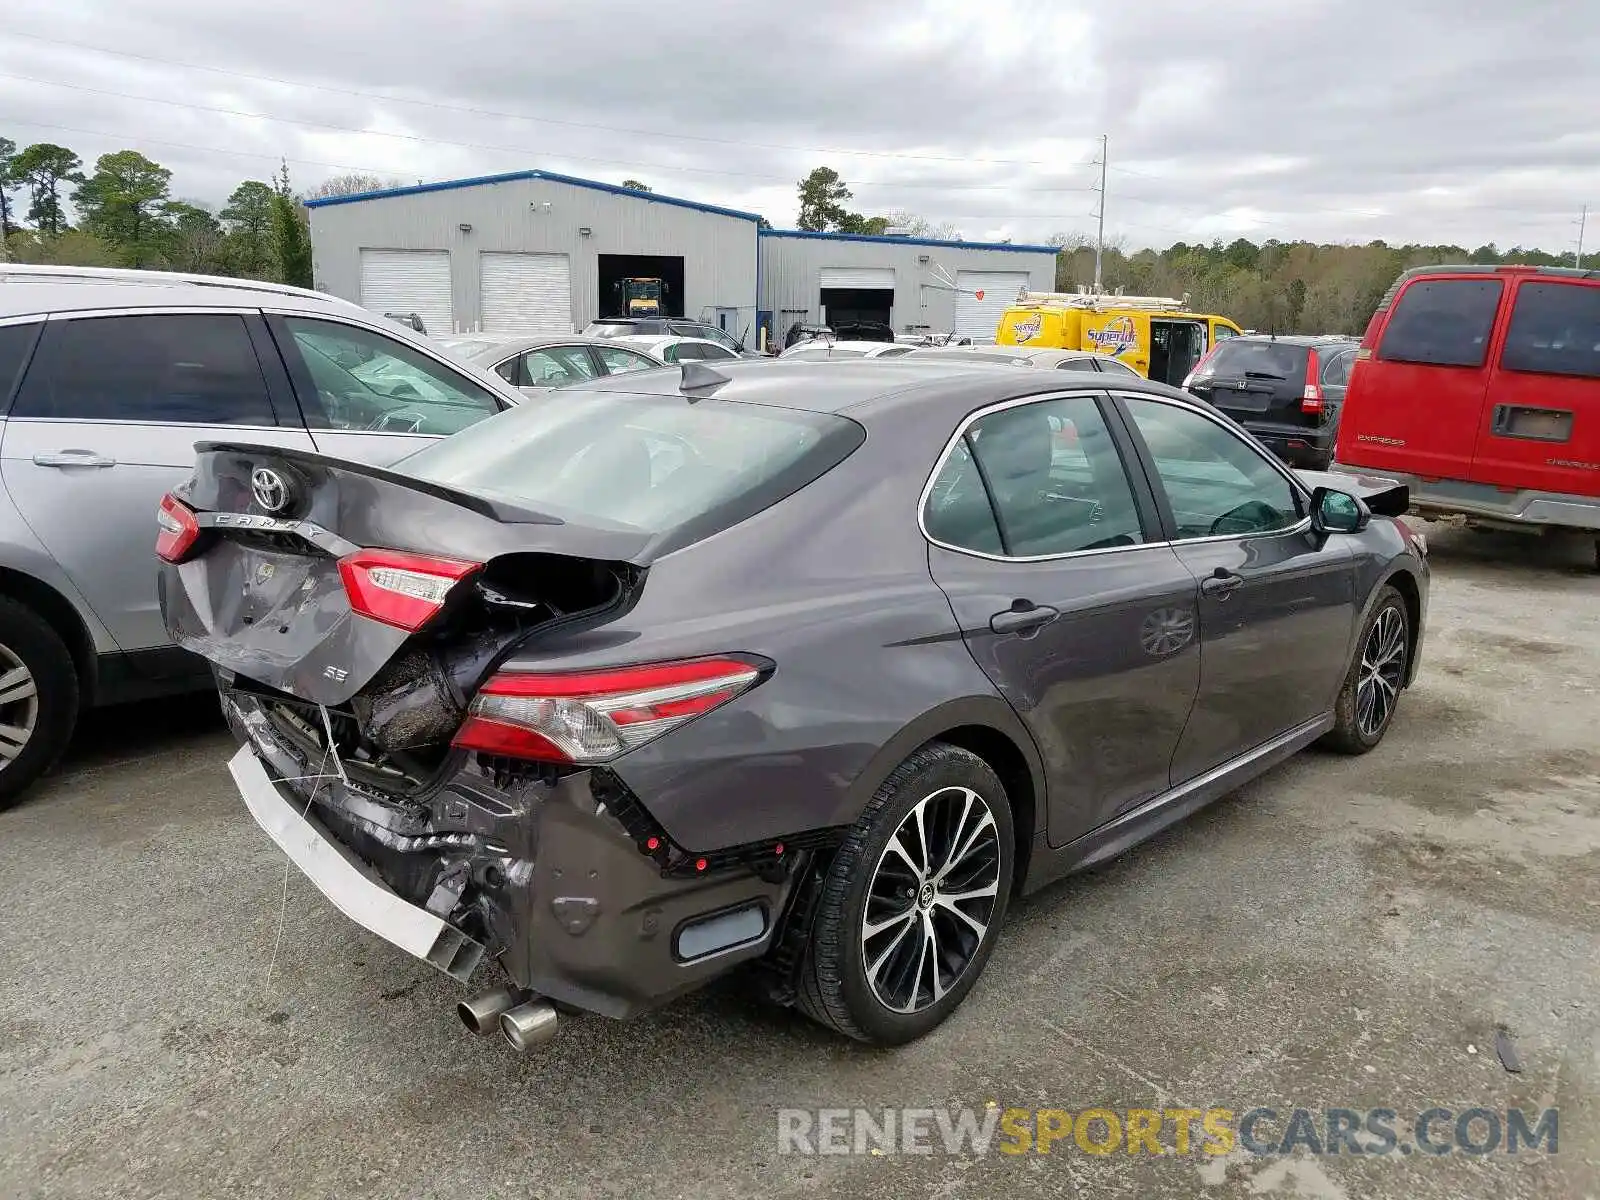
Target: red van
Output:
[{"x": 1480, "y": 388}]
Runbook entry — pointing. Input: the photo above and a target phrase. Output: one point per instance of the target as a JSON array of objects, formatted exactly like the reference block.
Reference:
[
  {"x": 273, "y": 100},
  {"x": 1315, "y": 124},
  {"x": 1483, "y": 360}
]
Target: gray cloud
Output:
[{"x": 1334, "y": 121}]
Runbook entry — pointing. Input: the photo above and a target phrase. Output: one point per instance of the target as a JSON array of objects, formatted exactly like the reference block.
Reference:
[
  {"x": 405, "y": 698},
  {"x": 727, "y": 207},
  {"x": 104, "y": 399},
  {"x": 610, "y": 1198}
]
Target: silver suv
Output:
[{"x": 107, "y": 380}]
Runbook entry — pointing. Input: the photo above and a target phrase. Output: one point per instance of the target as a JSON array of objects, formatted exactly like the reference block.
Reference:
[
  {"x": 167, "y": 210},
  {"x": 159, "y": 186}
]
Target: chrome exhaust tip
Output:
[
  {"x": 530, "y": 1024},
  {"x": 481, "y": 1014}
]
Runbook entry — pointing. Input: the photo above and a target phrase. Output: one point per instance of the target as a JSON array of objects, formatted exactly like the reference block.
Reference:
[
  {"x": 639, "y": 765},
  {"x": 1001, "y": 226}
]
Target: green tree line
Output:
[{"x": 54, "y": 209}]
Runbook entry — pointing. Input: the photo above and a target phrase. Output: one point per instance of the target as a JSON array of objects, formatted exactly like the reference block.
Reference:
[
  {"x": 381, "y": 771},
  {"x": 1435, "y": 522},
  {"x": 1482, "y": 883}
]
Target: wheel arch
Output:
[
  {"x": 1404, "y": 582},
  {"x": 987, "y": 727},
  {"x": 59, "y": 613}
]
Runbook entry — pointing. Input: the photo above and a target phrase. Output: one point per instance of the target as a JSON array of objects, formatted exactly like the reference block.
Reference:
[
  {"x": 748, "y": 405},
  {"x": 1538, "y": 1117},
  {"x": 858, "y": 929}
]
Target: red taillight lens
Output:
[
  {"x": 403, "y": 590},
  {"x": 1311, "y": 398},
  {"x": 594, "y": 716},
  {"x": 1203, "y": 368},
  {"x": 178, "y": 529}
]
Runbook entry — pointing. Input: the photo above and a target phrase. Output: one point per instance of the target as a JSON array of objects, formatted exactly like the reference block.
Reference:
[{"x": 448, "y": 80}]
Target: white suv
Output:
[{"x": 107, "y": 379}]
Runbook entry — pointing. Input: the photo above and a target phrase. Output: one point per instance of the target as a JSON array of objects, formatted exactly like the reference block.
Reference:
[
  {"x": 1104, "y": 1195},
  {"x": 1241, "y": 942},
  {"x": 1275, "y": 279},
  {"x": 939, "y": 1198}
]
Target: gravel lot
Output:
[{"x": 1343, "y": 932}]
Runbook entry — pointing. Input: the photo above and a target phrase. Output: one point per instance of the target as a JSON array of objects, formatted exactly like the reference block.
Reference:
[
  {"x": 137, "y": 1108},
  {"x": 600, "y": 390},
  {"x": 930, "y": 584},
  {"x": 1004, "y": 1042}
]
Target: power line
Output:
[
  {"x": 522, "y": 116},
  {"x": 629, "y": 164}
]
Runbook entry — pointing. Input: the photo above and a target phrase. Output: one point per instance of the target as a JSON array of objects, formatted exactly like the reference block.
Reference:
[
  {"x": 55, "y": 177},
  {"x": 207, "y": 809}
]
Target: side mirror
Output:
[{"x": 1334, "y": 511}]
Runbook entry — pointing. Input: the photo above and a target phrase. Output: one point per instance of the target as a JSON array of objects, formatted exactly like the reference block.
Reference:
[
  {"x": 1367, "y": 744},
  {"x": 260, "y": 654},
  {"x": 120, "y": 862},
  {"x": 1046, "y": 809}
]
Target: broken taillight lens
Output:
[
  {"x": 400, "y": 589},
  {"x": 594, "y": 716},
  {"x": 178, "y": 530}
]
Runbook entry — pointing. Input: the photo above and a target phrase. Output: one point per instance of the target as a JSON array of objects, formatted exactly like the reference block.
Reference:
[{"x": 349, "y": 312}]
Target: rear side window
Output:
[
  {"x": 1240, "y": 359},
  {"x": 1442, "y": 323},
  {"x": 182, "y": 368},
  {"x": 1555, "y": 330},
  {"x": 15, "y": 343},
  {"x": 654, "y": 464}
]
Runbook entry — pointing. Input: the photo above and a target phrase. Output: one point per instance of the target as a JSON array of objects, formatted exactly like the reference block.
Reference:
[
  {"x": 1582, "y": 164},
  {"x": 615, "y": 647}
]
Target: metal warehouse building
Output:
[
  {"x": 915, "y": 285},
  {"x": 531, "y": 252}
]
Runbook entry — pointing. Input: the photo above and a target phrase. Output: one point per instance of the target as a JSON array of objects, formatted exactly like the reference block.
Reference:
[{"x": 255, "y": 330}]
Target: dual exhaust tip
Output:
[{"x": 522, "y": 1019}]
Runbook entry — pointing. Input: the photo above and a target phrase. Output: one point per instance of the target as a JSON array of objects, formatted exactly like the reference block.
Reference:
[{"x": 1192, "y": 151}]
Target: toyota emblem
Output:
[{"x": 270, "y": 489}]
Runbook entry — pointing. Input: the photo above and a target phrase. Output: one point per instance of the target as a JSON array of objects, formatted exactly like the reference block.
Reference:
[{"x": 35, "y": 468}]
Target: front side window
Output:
[
  {"x": 361, "y": 380},
  {"x": 177, "y": 368},
  {"x": 1442, "y": 323},
  {"x": 1218, "y": 484},
  {"x": 1221, "y": 332},
  {"x": 556, "y": 366},
  {"x": 619, "y": 361},
  {"x": 1053, "y": 474},
  {"x": 1555, "y": 330}
]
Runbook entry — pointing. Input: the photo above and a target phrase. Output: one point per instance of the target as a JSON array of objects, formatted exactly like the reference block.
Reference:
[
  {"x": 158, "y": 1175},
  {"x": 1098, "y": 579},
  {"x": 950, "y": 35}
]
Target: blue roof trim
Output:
[
  {"x": 905, "y": 241},
  {"x": 515, "y": 176}
]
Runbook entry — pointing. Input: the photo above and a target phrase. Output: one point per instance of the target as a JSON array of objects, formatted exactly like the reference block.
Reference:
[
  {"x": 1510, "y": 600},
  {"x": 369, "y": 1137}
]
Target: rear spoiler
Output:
[
  {"x": 495, "y": 510},
  {"x": 1385, "y": 497}
]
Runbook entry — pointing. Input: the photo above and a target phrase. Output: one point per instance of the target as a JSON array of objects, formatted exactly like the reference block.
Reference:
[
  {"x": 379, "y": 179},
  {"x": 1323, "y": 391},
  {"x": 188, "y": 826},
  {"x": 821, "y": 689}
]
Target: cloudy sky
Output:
[{"x": 1336, "y": 120}]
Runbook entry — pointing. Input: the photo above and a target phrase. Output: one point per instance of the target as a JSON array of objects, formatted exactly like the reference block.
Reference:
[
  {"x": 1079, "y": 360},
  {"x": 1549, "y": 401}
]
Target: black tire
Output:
[
  {"x": 835, "y": 989},
  {"x": 25, "y": 637},
  {"x": 1355, "y": 730}
]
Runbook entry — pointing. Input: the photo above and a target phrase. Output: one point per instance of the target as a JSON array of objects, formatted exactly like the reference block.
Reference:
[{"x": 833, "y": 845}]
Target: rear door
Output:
[
  {"x": 1417, "y": 405},
  {"x": 104, "y": 425},
  {"x": 1540, "y": 430},
  {"x": 371, "y": 397},
  {"x": 1071, "y": 602}
]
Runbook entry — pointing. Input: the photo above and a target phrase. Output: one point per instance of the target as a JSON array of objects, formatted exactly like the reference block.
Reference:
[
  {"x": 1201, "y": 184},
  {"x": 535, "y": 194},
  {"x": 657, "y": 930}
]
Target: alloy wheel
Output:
[
  {"x": 1383, "y": 664},
  {"x": 931, "y": 899},
  {"x": 19, "y": 706}
]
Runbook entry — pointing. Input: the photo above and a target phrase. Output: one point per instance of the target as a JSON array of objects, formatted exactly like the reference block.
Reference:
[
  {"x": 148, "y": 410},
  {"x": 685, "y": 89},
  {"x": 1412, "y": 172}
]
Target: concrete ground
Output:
[{"x": 1342, "y": 933}]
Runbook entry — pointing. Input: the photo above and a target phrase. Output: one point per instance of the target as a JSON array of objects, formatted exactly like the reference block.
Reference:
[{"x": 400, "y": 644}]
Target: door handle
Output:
[
  {"x": 1021, "y": 619},
  {"x": 72, "y": 458},
  {"x": 1222, "y": 583}
]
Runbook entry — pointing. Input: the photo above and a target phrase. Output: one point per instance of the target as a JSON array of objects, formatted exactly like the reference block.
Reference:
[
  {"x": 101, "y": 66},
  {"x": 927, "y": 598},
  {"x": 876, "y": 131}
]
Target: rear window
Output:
[
  {"x": 1237, "y": 358},
  {"x": 656, "y": 464},
  {"x": 1555, "y": 330},
  {"x": 1442, "y": 323}
]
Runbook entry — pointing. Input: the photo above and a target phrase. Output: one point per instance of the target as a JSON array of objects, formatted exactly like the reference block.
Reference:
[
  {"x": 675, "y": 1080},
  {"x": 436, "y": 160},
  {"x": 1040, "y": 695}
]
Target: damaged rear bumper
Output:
[{"x": 533, "y": 870}]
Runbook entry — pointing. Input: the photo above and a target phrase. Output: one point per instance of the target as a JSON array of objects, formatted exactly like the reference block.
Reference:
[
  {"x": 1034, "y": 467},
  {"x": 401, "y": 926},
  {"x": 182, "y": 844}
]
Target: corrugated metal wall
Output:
[
  {"x": 540, "y": 215},
  {"x": 791, "y": 271}
]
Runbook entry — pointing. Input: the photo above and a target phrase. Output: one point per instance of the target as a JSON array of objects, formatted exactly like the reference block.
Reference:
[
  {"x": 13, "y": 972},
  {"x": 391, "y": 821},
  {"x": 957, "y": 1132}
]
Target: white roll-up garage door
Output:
[
  {"x": 977, "y": 318},
  {"x": 526, "y": 293},
  {"x": 858, "y": 277},
  {"x": 409, "y": 281}
]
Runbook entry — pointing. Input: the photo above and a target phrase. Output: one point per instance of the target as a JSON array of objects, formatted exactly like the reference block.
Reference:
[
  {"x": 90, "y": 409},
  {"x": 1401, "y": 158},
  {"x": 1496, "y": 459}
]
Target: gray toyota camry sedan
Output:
[{"x": 806, "y": 667}]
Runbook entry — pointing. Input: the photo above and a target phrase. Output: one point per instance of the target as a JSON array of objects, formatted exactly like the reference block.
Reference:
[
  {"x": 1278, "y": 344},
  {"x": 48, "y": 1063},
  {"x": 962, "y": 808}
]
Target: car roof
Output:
[
  {"x": 838, "y": 344},
  {"x": 27, "y": 289},
  {"x": 493, "y": 350},
  {"x": 1296, "y": 339},
  {"x": 863, "y": 386}
]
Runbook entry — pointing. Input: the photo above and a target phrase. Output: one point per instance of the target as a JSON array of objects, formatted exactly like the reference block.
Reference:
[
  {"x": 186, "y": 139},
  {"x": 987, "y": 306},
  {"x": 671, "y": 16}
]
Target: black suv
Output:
[{"x": 1286, "y": 390}]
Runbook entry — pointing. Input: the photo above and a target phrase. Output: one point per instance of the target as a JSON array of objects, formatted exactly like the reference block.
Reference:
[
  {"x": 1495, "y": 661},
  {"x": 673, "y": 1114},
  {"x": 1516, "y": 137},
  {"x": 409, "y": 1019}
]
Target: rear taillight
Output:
[
  {"x": 1311, "y": 398},
  {"x": 178, "y": 529},
  {"x": 399, "y": 589},
  {"x": 1203, "y": 368},
  {"x": 593, "y": 716}
]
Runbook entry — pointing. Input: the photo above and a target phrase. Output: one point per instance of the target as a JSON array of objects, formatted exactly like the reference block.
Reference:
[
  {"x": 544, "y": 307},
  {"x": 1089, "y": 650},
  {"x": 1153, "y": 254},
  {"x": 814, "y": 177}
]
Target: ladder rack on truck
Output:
[{"x": 1097, "y": 302}]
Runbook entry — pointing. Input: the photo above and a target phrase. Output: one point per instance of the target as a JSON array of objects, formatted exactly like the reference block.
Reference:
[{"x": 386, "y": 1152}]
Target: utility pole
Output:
[
  {"x": 1583, "y": 220},
  {"x": 1100, "y": 236}
]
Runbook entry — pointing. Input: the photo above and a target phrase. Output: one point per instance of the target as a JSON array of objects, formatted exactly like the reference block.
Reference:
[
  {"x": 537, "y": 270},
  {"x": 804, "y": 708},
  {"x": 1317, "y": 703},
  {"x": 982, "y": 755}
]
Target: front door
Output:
[
  {"x": 1068, "y": 601},
  {"x": 1277, "y": 602},
  {"x": 104, "y": 425},
  {"x": 370, "y": 397}
]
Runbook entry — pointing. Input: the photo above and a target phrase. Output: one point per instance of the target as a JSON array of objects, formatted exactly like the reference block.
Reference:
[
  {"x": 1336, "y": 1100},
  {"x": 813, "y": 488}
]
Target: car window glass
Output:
[
  {"x": 1057, "y": 480},
  {"x": 619, "y": 361},
  {"x": 1337, "y": 372},
  {"x": 1555, "y": 330},
  {"x": 716, "y": 351},
  {"x": 508, "y": 370},
  {"x": 366, "y": 381},
  {"x": 1442, "y": 322},
  {"x": 722, "y": 337},
  {"x": 894, "y": 352},
  {"x": 16, "y": 341},
  {"x": 183, "y": 368},
  {"x": 1075, "y": 364},
  {"x": 689, "y": 351},
  {"x": 556, "y": 366},
  {"x": 1115, "y": 367},
  {"x": 1217, "y": 483},
  {"x": 958, "y": 512}
]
